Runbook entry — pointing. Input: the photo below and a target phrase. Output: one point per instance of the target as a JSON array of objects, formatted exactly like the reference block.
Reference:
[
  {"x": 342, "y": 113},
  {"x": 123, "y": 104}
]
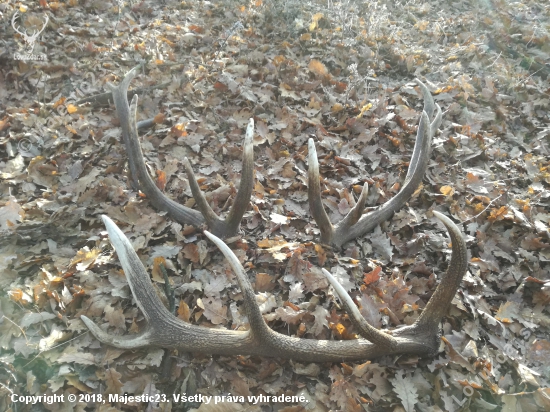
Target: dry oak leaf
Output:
[
  {"x": 115, "y": 317},
  {"x": 321, "y": 322},
  {"x": 71, "y": 354},
  {"x": 404, "y": 387},
  {"x": 112, "y": 379},
  {"x": 183, "y": 311},
  {"x": 85, "y": 258},
  {"x": 275, "y": 246},
  {"x": 10, "y": 214},
  {"x": 264, "y": 282},
  {"x": 213, "y": 309},
  {"x": 372, "y": 276}
]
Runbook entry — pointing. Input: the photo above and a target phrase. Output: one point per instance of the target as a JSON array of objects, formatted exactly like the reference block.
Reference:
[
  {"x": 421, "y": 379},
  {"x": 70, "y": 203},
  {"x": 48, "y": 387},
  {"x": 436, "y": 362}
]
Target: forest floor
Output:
[{"x": 341, "y": 73}]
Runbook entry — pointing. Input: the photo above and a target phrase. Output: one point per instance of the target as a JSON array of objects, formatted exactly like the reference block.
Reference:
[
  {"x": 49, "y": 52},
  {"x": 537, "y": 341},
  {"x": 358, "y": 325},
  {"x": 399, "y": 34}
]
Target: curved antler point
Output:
[{"x": 444, "y": 219}]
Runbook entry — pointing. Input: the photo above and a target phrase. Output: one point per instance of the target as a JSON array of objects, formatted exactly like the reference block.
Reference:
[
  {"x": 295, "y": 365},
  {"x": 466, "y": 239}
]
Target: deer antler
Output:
[
  {"x": 354, "y": 224},
  {"x": 142, "y": 180},
  {"x": 165, "y": 330}
]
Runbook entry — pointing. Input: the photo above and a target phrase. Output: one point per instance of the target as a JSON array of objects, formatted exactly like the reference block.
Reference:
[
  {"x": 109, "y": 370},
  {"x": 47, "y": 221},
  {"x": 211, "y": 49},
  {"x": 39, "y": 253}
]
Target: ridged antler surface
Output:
[
  {"x": 165, "y": 330},
  {"x": 354, "y": 224},
  {"x": 182, "y": 214}
]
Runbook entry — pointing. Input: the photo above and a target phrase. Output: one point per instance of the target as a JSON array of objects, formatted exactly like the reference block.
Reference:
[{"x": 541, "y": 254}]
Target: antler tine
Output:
[
  {"x": 142, "y": 180},
  {"x": 258, "y": 328},
  {"x": 429, "y": 107},
  {"x": 314, "y": 195},
  {"x": 138, "y": 169},
  {"x": 165, "y": 330},
  {"x": 429, "y": 104},
  {"x": 229, "y": 225},
  {"x": 441, "y": 299},
  {"x": 366, "y": 330},
  {"x": 354, "y": 223},
  {"x": 120, "y": 98},
  {"x": 427, "y": 323}
]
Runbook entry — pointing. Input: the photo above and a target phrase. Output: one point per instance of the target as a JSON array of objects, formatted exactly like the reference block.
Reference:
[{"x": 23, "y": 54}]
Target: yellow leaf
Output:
[
  {"x": 447, "y": 190},
  {"x": 71, "y": 108},
  {"x": 337, "y": 108},
  {"x": 277, "y": 60},
  {"x": 59, "y": 102},
  {"x": 321, "y": 254},
  {"x": 183, "y": 311},
  {"x": 16, "y": 295},
  {"x": 497, "y": 214},
  {"x": 317, "y": 67},
  {"x": 85, "y": 258},
  {"x": 364, "y": 109},
  {"x": 314, "y": 20},
  {"x": 157, "y": 271}
]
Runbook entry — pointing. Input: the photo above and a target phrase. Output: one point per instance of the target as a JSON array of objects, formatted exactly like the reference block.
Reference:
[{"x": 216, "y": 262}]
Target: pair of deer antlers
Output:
[{"x": 165, "y": 330}]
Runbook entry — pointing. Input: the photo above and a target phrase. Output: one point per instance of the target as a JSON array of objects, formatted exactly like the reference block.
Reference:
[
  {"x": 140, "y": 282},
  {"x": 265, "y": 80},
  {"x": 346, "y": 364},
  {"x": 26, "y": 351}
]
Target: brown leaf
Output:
[
  {"x": 214, "y": 310},
  {"x": 373, "y": 276},
  {"x": 317, "y": 67},
  {"x": 321, "y": 254},
  {"x": 159, "y": 118},
  {"x": 161, "y": 179},
  {"x": 314, "y": 280},
  {"x": 115, "y": 317},
  {"x": 264, "y": 282},
  {"x": 112, "y": 380},
  {"x": 183, "y": 311},
  {"x": 191, "y": 252},
  {"x": 157, "y": 271}
]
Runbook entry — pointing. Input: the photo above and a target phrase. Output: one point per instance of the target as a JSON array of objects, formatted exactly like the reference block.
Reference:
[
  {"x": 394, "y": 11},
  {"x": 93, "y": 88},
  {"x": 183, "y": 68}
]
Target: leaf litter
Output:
[{"x": 339, "y": 72}]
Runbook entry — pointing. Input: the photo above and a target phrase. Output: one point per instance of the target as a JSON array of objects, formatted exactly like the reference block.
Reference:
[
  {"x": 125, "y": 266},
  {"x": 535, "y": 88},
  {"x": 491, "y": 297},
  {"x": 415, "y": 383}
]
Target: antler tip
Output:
[
  {"x": 107, "y": 221},
  {"x": 444, "y": 219},
  {"x": 90, "y": 325},
  {"x": 215, "y": 239},
  {"x": 249, "y": 136},
  {"x": 311, "y": 149}
]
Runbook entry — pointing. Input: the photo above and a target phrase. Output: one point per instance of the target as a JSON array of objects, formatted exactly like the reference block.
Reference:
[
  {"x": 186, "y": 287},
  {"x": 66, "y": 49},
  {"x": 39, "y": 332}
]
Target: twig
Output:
[{"x": 483, "y": 211}]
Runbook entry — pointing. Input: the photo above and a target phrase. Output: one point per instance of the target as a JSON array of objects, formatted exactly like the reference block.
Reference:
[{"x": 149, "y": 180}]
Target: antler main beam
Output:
[
  {"x": 141, "y": 179},
  {"x": 165, "y": 330},
  {"x": 354, "y": 224}
]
